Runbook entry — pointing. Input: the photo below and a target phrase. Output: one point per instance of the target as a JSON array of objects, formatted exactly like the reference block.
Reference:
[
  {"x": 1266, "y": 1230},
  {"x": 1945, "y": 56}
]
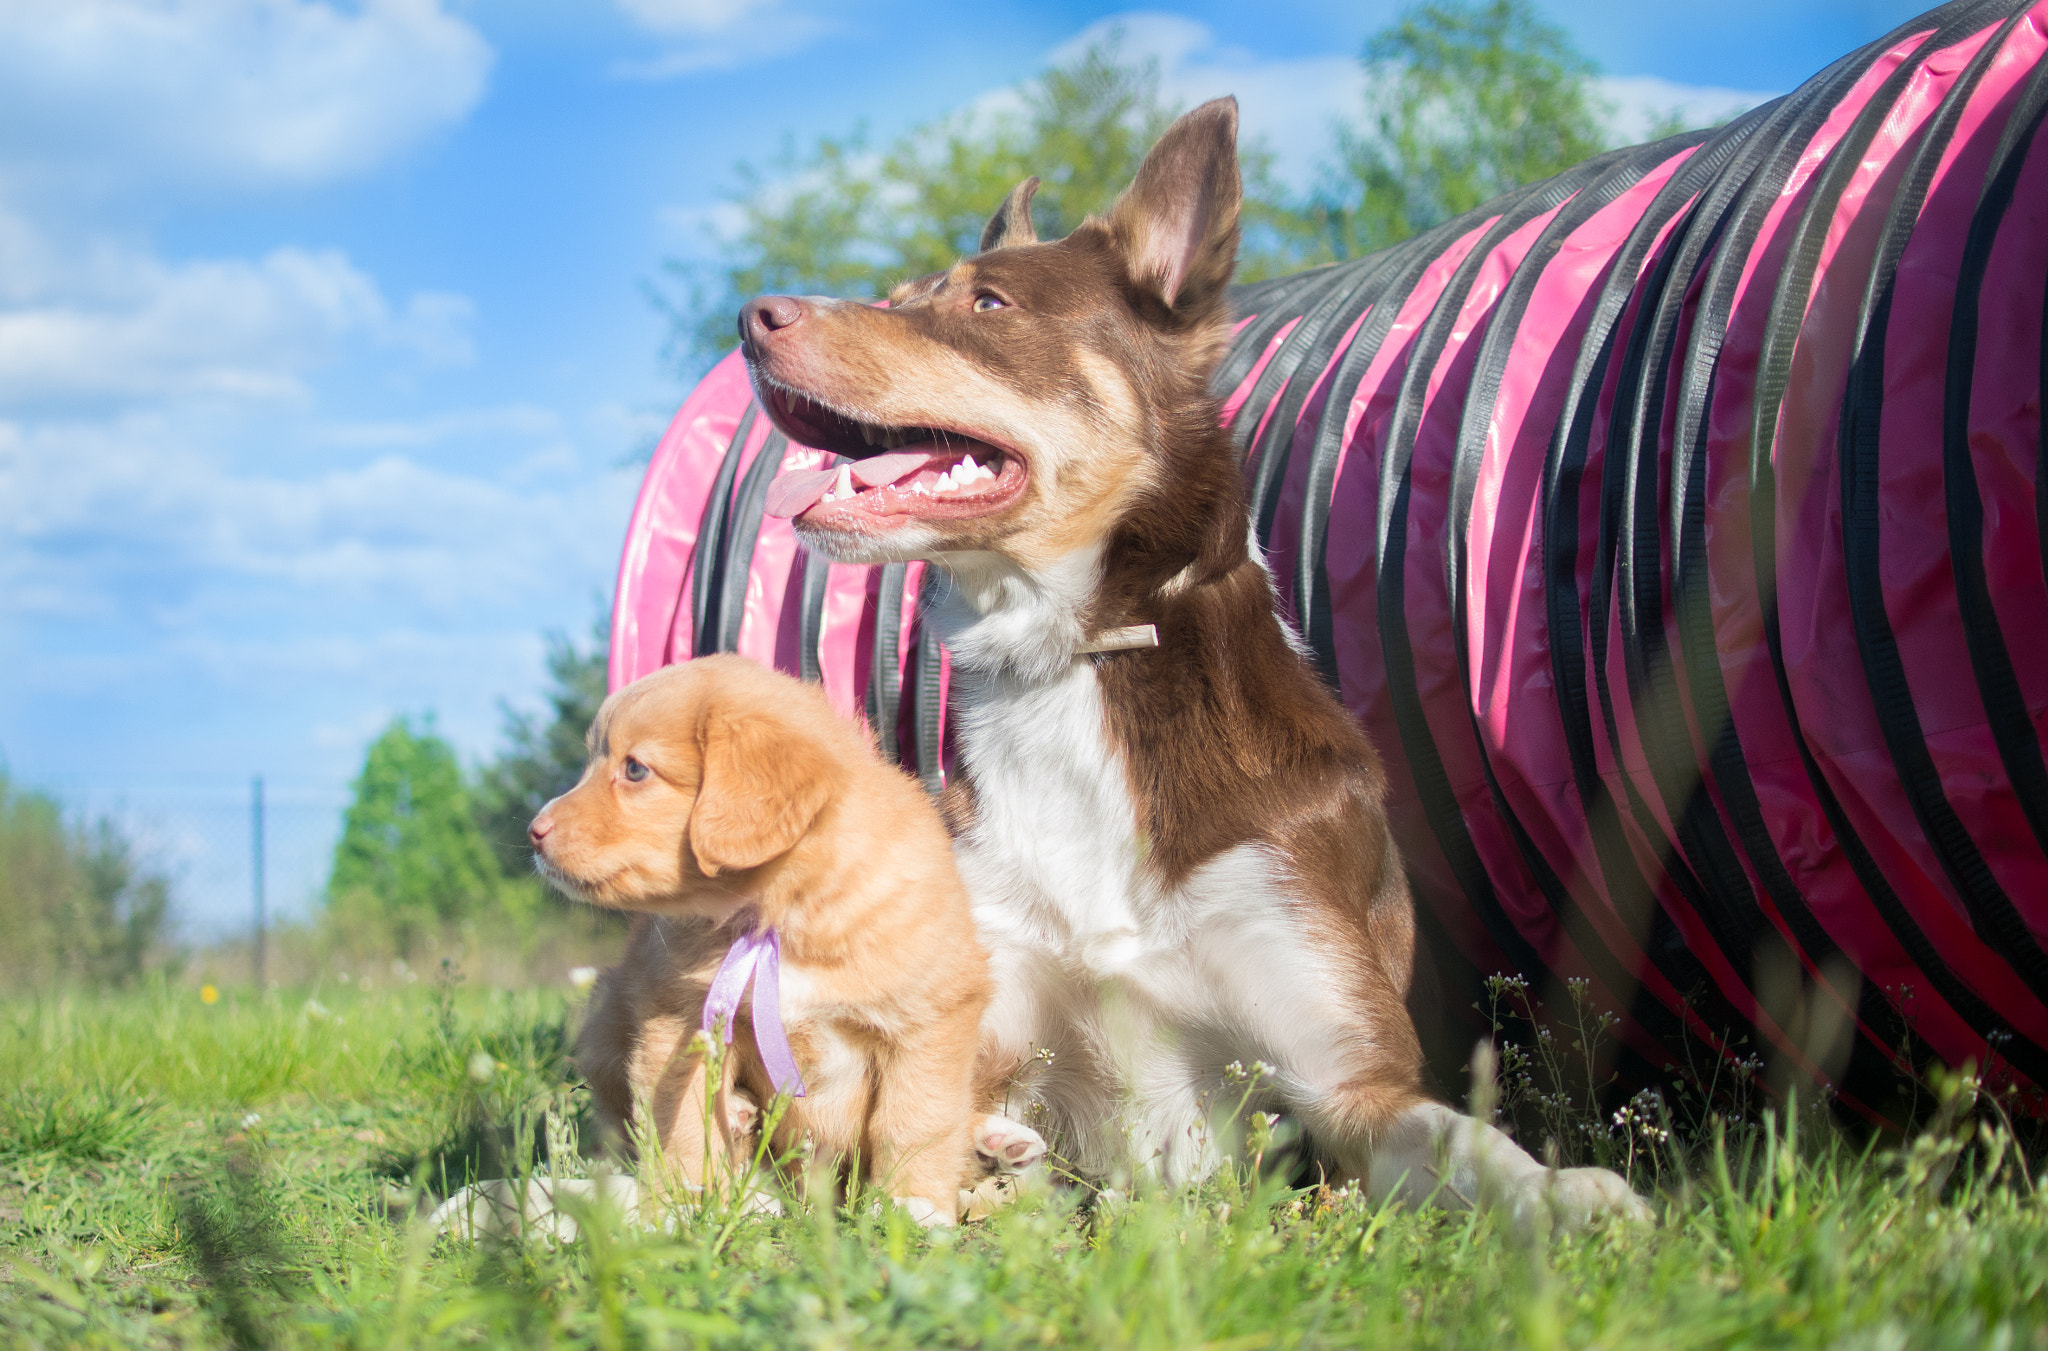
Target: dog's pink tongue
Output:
[
  {"x": 874, "y": 472},
  {"x": 796, "y": 492},
  {"x": 792, "y": 494}
]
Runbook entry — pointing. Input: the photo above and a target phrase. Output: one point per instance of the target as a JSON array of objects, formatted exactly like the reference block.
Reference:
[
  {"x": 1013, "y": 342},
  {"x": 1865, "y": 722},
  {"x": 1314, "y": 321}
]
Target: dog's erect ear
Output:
[
  {"x": 762, "y": 786},
  {"x": 1177, "y": 222},
  {"x": 1012, "y": 222}
]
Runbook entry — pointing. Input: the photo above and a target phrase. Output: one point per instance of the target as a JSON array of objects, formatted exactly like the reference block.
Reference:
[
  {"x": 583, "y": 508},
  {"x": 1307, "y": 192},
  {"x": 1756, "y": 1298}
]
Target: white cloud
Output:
[
  {"x": 120, "y": 95},
  {"x": 110, "y": 108},
  {"x": 150, "y": 515},
  {"x": 1290, "y": 103},
  {"x": 716, "y": 35},
  {"x": 109, "y": 321},
  {"x": 515, "y": 420},
  {"x": 1643, "y": 104},
  {"x": 690, "y": 16},
  {"x": 434, "y": 326},
  {"x": 720, "y": 222}
]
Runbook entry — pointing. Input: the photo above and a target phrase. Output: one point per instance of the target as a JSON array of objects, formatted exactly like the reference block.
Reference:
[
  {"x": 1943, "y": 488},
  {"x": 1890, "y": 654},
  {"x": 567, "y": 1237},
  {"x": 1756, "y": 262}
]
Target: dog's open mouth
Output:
[{"x": 925, "y": 473}]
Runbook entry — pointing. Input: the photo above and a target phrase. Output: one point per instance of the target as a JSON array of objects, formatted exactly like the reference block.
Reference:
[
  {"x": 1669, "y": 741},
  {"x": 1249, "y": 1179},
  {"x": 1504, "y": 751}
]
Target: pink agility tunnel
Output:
[{"x": 1675, "y": 528}]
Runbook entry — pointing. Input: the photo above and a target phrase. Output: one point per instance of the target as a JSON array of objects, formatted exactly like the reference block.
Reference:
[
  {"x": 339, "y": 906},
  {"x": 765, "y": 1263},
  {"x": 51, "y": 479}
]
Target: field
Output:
[{"x": 177, "y": 1173}]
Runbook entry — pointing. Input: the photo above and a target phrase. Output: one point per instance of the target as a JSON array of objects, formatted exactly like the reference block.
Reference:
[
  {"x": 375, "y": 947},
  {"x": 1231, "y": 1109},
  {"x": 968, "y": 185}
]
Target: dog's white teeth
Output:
[
  {"x": 965, "y": 472},
  {"x": 842, "y": 487}
]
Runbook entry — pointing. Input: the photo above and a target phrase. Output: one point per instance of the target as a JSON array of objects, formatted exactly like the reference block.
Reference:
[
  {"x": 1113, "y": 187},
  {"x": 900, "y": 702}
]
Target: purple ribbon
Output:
[{"x": 756, "y": 955}]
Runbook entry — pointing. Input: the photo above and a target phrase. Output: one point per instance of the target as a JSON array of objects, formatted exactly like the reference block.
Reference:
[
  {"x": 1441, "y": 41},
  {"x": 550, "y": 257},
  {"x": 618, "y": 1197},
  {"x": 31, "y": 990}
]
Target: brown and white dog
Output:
[
  {"x": 724, "y": 799},
  {"x": 1178, "y": 854}
]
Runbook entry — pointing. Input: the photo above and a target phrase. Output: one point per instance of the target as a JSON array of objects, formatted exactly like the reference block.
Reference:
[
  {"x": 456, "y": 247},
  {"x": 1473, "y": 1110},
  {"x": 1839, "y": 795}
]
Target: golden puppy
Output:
[{"x": 735, "y": 812}]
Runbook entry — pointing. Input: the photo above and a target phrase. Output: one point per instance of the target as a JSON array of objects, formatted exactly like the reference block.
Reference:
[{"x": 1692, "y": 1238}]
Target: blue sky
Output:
[{"x": 324, "y": 356}]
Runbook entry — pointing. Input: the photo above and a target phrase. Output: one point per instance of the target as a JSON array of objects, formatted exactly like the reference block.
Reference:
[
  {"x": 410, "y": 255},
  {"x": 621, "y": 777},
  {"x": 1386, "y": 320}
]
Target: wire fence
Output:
[{"x": 224, "y": 856}]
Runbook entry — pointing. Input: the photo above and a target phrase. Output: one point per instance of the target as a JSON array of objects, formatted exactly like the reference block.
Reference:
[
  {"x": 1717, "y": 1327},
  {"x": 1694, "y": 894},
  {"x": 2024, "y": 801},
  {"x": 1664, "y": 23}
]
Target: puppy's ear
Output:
[
  {"x": 1012, "y": 222},
  {"x": 762, "y": 786},
  {"x": 1177, "y": 222}
]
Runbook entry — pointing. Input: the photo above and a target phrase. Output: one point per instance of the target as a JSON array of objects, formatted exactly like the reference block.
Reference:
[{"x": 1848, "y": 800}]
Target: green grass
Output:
[{"x": 174, "y": 1174}]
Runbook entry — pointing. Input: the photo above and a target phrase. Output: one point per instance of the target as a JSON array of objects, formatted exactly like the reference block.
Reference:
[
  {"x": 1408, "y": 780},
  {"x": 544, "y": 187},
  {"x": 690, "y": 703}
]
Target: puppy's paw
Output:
[
  {"x": 1576, "y": 1197},
  {"x": 1006, "y": 1146},
  {"x": 926, "y": 1213}
]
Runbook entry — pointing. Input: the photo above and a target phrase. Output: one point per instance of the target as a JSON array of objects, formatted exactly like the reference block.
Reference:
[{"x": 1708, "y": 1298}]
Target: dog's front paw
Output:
[
  {"x": 742, "y": 1114},
  {"x": 758, "y": 1202},
  {"x": 1574, "y": 1198},
  {"x": 1007, "y": 1146}
]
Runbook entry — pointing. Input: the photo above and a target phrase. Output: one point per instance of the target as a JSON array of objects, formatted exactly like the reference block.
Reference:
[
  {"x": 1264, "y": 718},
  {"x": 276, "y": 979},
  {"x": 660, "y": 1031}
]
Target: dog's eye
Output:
[
  {"x": 985, "y": 302},
  {"x": 635, "y": 771}
]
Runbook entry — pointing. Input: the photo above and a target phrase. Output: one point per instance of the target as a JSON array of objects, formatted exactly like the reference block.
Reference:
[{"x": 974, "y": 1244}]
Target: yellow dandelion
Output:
[{"x": 208, "y": 995}]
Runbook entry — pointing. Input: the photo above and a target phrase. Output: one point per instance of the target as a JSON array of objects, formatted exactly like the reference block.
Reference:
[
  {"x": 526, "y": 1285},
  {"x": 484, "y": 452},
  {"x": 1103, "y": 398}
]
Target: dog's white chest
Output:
[{"x": 1054, "y": 854}]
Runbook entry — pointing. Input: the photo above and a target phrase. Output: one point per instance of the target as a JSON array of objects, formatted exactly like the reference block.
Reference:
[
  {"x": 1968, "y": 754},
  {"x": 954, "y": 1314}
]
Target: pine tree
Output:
[{"x": 542, "y": 759}]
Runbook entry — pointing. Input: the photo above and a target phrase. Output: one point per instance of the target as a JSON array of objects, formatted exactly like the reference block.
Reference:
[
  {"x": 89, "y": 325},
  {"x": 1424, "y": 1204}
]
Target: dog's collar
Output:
[{"x": 1121, "y": 640}]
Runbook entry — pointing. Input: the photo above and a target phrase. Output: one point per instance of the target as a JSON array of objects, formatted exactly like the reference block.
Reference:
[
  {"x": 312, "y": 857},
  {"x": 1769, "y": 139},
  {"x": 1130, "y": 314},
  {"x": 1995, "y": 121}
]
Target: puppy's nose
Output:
[
  {"x": 769, "y": 314},
  {"x": 538, "y": 831}
]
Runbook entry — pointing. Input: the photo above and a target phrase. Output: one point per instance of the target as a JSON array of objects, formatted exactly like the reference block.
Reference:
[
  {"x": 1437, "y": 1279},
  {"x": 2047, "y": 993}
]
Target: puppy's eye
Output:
[
  {"x": 635, "y": 771},
  {"x": 985, "y": 302}
]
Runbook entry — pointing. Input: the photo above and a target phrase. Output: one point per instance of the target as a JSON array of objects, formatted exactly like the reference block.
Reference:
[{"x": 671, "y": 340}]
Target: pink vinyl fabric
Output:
[{"x": 1623, "y": 514}]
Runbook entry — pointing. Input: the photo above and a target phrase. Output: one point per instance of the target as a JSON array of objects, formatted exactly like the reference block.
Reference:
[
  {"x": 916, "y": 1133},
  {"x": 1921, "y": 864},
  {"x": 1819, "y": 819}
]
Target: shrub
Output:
[{"x": 76, "y": 902}]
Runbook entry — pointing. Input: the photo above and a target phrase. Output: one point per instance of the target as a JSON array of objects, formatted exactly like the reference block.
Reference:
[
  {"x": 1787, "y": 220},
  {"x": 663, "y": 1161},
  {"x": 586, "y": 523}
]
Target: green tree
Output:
[
  {"x": 543, "y": 752},
  {"x": 411, "y": 859},
  {"x": 1464, "y": 101},
  {"x": 76, "y": 900}
]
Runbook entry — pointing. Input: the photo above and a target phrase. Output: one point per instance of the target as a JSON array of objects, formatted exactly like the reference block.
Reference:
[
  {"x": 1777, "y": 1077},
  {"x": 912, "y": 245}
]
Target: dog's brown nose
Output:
[
  {"x": 767, "y": 314},
  {"x": 538, "y": 831}
]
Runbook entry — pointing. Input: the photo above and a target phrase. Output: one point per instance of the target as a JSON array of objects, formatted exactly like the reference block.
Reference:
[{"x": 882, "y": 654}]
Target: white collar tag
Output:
[{"x": 1120, "y": 640}]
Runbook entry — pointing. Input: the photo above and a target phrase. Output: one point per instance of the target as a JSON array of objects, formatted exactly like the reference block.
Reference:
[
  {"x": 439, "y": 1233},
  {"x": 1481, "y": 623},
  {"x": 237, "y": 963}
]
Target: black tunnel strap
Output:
[
  {"x": 1439, "y": 800},
  {"x": 1407, "y": 263},
  {"x": 1603, "y": 345},
  {"x": 1621, "y": 172},
  {"x": 1870, "y": 1056},
  {"x": 748, "y": 508},
  {"x": 2005, "y": 705},
  {"x": 817, "y": 574},
  {"x": 712, "y": 551},
  {"x": 1711, "y": 248},
  {"x": 885, "y": 677},
  {"x": 1301, "y": 362},
  {"x": 927, "y": 701},
  {"x": 1868, "y": 1075},
  {"x": 1272, "y": 304},
  {"x": 1991, "y": 911},
  {"x": 1730, "y": 910}
]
